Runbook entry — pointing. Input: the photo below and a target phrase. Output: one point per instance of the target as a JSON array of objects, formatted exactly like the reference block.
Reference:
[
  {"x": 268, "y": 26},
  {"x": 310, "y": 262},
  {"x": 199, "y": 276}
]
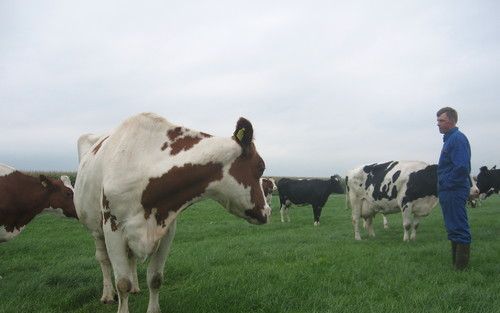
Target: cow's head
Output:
[
  {"x": 485, "y": 180},
  {"x": 336, "y": 184},
  {"x": 60, "y": 194},
  {"x": 247, "y": 198}
]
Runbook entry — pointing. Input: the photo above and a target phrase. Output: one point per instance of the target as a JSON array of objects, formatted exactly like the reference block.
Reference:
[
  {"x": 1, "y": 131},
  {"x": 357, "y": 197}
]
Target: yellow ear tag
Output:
[{"x": 240, "y": 134}]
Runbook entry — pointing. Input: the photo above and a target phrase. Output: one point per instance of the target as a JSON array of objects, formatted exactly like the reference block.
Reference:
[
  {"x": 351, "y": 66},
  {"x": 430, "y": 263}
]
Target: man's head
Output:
[{"x": 446, "y": 119}]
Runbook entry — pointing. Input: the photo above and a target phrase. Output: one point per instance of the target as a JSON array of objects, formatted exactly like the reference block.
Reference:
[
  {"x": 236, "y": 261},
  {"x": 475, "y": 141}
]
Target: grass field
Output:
[{"x": 219, "y": 263}]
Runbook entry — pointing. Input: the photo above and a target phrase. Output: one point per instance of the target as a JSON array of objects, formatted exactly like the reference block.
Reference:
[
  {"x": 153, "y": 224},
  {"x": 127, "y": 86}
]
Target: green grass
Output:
[{"x": 219, "y": 263}]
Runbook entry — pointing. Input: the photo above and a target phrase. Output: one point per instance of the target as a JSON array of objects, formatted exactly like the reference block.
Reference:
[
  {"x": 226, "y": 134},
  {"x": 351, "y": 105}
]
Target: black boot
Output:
[
  {"x": 462, "y": 256},
  {"x": 453, "y": 252}
]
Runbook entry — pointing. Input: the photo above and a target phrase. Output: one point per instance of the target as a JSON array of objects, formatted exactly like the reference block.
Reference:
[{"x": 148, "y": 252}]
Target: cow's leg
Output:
[
  {"x": 386, "y": 224},
  {"x": 369, "y": 219},
  {"x": 317, "y": 214},
  {"x": 108, "y": 292},
  {"x": 406, "y": 222},
  {"x": 133, "y": 265},
  {"x": 282, "y": 212},
  {"x": 415, "y": 223},
  {"x": 118, "y": 252},
  {"x": 356, "y": 215},
  {"x": 155, "y": 269},
  {"x": 369, "y": 226}
]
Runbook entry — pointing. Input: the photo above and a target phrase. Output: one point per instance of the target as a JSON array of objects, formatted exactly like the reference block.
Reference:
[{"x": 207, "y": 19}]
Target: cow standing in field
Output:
[
  {"x": 132, "y": 184},
  {"x": 488, "y": 181},
  {"x": 409, "y": 187},
  {"x": 22, "y": 197},
  {"x": 268, "y": 186},
  {"x": 307, "y": 191}
]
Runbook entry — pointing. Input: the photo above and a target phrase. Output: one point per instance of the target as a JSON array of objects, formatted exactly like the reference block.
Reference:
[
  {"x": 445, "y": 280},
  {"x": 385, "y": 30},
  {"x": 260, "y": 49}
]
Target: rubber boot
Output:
[
  {"x": 453, "y": 252},
  {"x": 462, "y": 256}
]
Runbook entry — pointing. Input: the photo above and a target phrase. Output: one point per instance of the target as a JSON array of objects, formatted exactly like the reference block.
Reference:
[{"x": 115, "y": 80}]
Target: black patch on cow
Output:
[
  {"x": 396, "y": 176},
  {"x": 488, "y": 180},
  {"x": 376, "y": 174},
  {"x": 422, "y": 183}
]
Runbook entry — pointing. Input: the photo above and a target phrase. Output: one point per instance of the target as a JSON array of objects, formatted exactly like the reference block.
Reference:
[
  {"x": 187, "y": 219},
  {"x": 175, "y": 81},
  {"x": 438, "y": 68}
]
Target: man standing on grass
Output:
[{"x": 454, "y": 185}]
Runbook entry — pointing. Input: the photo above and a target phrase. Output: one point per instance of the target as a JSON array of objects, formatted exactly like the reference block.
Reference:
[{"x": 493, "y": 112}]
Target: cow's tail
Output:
[{"x": 347, "y": 201}]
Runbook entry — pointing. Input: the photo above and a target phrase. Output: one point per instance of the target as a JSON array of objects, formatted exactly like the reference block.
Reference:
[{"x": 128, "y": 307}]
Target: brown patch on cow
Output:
[
  {"x": 99, "y": 145},
  {"x": 105, "y": 202},
  {"x": 177, "y": 187},
  {"x": 267, "y": 186},
  {"x": 165, "y": 146},
  {"x": 124, "y": 285},
  {"x": 247, "y": 170},
  {"x": 156, "y": 281},
  {"x": 184, "y": 144},
  {"x": 174, "y": 133},
  {"x": 22, "y": 197},
  {"x": 108, "y": 216}
]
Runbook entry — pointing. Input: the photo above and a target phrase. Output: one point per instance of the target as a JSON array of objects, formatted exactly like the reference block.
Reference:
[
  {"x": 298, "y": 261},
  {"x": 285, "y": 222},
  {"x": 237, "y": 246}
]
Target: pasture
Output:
[{"x": 219, "y": 263}]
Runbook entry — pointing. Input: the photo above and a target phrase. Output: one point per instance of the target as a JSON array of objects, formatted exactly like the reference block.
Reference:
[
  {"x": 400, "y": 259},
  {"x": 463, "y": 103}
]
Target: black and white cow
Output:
[
  {"x": 409, "y": 187},
  {"x": 307, "y": 191},
  {"x": 488, "y": 181}
]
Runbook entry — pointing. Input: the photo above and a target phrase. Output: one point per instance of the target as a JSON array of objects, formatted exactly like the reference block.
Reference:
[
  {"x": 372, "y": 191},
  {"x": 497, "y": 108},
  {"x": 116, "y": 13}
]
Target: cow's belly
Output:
[
  {"x": 423, "y": 206},
  {"x": 6, "y": 235},
  {"x": 385, "y": 206},
  {"x": 144, "y": 235}
]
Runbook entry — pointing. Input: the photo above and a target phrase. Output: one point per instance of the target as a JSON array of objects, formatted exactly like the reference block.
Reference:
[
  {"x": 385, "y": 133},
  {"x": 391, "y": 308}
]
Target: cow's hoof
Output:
[{"x": 109, "y": 301}]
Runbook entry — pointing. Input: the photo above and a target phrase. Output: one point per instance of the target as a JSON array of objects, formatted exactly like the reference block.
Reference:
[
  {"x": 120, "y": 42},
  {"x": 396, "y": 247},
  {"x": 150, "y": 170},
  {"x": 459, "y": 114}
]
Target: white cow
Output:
[{"x": 132, "y": 184}]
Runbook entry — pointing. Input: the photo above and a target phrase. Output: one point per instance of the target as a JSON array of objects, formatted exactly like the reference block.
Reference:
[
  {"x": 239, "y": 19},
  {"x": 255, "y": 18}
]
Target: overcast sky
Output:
[{"x": 328, "y": 85}]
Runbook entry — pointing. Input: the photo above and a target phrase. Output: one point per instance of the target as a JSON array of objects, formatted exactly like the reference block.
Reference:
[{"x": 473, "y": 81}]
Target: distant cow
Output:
[
  {"x": 307, "y": 191},
  {"x": 409, "y": 187},
  {"x": 268, "y": 186},
  {"x": 22, "y": 197},
  {"x": 488, "y": 181},
  {"x": 133, "y": 183}
]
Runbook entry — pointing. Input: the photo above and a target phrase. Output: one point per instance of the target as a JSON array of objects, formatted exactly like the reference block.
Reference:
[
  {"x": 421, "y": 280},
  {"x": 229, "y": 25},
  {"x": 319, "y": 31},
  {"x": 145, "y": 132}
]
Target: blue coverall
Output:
[{"x": 454, "y": 185}]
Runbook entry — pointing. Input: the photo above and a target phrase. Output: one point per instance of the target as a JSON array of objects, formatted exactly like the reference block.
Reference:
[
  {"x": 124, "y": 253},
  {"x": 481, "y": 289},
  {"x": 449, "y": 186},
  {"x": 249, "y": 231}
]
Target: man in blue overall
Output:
[{"x": 454, "y": 185}]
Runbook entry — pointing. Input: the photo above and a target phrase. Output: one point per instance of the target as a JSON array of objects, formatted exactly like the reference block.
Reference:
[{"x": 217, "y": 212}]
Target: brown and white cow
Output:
[
  {"x": 22, "y": 197},
  {"x": 132, "y": 184},
  {"x": 268, "y": 186}
]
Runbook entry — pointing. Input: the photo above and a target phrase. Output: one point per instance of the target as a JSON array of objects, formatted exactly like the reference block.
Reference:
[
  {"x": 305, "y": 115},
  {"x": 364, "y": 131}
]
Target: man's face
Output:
[{"x": 444, "y": 123}]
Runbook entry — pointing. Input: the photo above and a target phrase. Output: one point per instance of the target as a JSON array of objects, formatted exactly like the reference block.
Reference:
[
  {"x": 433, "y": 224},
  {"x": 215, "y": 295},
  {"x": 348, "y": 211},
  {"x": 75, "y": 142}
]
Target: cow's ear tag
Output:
[{"x": 240, "y": 134}]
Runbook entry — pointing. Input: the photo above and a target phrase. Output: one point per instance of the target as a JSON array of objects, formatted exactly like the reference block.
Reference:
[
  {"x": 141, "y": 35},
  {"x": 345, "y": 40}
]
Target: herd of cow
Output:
[{"x": 133, "y": 182}]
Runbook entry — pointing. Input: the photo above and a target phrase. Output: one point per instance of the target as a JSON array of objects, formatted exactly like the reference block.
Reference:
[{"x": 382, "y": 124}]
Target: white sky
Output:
[{"x": 328, "y": 85}]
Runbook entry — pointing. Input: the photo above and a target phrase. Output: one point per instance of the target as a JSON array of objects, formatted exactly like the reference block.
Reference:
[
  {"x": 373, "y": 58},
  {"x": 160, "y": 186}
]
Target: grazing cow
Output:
[
  {"x": 268, "y": 186},
  {"x": 307, "y": 191},
  {"x": 22, "y": 197},
  {"x": 409, "y": 187},
  {"x": 488, "y": 181},
  {"x": 132, "y": 184}
]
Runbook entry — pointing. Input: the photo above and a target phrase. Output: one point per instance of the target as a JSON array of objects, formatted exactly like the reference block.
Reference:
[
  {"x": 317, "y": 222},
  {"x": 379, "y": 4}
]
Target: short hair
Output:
[{"x": 451, "y": 113}]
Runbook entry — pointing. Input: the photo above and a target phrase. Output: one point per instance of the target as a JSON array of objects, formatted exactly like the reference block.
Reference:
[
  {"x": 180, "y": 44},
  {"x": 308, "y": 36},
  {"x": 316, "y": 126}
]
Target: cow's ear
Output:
[
  {"x": 66, "y": 181},
  {"x": 483, "y": 169},
  {"x": 243, "y": 134},
  {"x": 45, "y": 181}
]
